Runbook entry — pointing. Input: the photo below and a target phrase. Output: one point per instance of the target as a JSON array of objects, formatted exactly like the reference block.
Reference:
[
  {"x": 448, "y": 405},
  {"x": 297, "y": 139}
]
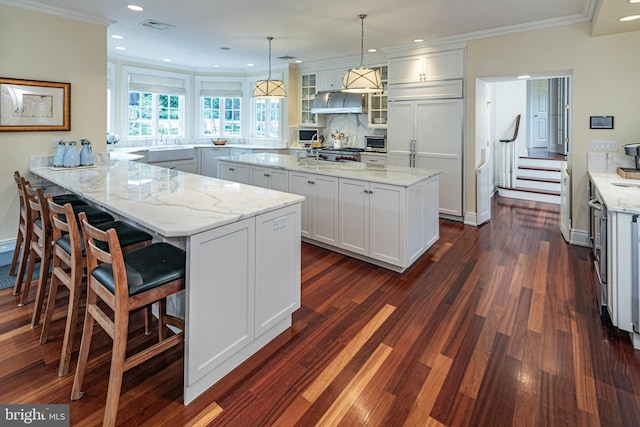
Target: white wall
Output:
[
  {"x": 605, "y": 82},
  {"x": 36, "y": 46}
]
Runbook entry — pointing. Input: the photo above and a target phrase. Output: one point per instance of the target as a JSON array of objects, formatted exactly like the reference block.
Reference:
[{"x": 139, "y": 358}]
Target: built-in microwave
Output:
[
  {"x": 307, "y": 136},
  {"x": 376, "y": 143}
]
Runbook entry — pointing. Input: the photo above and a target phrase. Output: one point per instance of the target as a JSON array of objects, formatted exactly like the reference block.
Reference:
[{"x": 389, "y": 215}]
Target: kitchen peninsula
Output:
[
  {"x": 385, "y": 215},
  {"x": 243, "y": 254}
]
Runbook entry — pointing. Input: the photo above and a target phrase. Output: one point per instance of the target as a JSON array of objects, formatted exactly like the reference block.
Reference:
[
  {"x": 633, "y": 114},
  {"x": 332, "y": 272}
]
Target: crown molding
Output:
[{"x": 58, "y": 11}]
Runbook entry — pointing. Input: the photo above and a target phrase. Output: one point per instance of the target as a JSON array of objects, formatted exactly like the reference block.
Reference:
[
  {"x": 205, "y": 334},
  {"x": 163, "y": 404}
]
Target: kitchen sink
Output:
[
  {"x": 626, "y": 184},
  {"x": 169, "y": 153}
]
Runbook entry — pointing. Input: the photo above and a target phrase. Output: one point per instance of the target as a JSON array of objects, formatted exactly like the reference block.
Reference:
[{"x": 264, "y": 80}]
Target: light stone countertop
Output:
[
  {"x": 394, "y": 175},
  {"x": 169, "y": 202},
  {"x": 617, "y": 198}
]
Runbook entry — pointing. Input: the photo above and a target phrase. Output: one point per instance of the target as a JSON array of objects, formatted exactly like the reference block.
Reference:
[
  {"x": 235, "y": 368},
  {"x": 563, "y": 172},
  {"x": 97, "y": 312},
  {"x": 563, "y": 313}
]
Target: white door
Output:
[{"x": 538, "y": 95}]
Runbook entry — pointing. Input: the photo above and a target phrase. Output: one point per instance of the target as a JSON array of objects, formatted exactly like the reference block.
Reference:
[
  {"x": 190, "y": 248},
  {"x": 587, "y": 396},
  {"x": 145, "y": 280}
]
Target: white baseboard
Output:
[{"x": 580, "y": 238}]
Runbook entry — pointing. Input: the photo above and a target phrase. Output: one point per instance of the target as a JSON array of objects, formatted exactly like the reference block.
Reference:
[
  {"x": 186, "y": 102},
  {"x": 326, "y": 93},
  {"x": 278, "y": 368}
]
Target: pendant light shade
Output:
[
  {"x": 362, "y": 79},
  {"x": 269, "y": 88}
]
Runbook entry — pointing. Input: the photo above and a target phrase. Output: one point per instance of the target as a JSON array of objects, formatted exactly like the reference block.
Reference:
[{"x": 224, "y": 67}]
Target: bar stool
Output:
[
  {"x": 23, "y": 238},
  {"x": 69, "y": 251},
  {"x": 126, "y": 283}
]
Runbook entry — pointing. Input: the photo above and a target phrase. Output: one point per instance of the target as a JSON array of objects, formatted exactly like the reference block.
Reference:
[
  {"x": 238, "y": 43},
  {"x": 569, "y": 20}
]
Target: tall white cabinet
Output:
[
  {"x": 436, "y": 127},
  {"x": 426, "y": 120}
]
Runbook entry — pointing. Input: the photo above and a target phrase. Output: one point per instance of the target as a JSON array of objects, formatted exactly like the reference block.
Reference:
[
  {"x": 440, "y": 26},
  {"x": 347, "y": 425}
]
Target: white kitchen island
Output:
[
  {"x": 385, "y": 215},
  {"x": 243, "y": 254}
]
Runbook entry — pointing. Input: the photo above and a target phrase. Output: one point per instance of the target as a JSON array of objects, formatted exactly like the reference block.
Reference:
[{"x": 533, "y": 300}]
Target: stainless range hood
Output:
[{"x": 336, "y": 102}]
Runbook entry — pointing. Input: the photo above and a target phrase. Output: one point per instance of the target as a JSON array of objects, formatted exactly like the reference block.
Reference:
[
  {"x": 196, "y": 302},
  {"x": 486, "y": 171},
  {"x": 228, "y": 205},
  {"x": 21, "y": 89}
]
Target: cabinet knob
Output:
[
  {"x": 231, "y": 169},
  {"x": 310, "y": 182},
  {"x": 267, "y": 175}
]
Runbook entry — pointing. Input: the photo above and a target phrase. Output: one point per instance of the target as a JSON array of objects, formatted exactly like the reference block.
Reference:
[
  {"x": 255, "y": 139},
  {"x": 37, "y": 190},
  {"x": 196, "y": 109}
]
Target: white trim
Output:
[{"x": 59, "y": 11}]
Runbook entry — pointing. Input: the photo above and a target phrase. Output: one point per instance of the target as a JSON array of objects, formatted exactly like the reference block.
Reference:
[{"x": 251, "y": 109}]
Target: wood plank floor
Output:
[{"x": 494, "y": 326}]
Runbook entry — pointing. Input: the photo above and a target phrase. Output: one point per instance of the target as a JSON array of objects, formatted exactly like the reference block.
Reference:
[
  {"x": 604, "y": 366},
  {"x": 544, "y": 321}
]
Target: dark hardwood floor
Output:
[{"x": 494, "y": 326}]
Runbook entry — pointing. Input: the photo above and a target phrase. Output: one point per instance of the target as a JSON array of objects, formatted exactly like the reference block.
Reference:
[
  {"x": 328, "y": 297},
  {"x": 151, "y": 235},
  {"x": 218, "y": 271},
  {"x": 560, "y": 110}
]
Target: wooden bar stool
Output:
[
  {"x": 23, "y": 239},
  {"x": 126, "y": 282},
  {"x": 69, "y": 264}
]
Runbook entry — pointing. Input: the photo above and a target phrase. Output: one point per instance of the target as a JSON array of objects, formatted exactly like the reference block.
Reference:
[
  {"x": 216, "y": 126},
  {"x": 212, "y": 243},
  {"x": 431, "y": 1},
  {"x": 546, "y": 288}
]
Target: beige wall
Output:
[
  {"x": 605, "y": 82},
  {"x": 36, "y": 46}
]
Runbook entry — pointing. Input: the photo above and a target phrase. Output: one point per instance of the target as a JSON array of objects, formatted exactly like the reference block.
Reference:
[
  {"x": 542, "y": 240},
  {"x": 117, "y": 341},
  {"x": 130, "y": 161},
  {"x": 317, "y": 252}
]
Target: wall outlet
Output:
[
  {"x": 602, "y": 146},
  {"x": 279, "y": 223}
]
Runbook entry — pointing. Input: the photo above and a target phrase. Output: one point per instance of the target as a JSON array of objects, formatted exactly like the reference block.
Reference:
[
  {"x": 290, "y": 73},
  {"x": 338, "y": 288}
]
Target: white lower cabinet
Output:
[
  {"x": 244, "y": 285},
  {"x": 619, "y": 291},
  {"x": 190, "y": 166},
  {"x": 320, "y": 209},
  {"x": 236, "y": 172},
  {"x": 209, "y": 160},
  {"x": 272, "y": 178},
  {"x": 389, "y": 223}
]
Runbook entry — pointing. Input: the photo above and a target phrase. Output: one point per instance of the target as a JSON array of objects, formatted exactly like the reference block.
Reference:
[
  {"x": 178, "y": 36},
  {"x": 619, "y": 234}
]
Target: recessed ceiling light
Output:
[
  {"x": 121, "y": 48},
  {"x": 417, "y": 40},
  {"x": 216, "y": 66},
  {"x": 298, "y": 61},
  {"x": 135, "y": 8},
  {"x": 634, "y": 1},
  {"x": 249, "y": 65},
  {"x": 524, "y": 76},
  {"x": 167, "y": 60},
  {"x": 117, "y": 37},
  {"x": 372, "y": 50},
  {"x": 629, "y": 18}
]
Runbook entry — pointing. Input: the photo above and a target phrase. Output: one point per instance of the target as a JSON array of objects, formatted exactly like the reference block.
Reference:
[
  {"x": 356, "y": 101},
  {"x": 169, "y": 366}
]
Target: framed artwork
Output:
[
  {"x": 601, "y": 122},
  {"x": 31, "y": 105}
]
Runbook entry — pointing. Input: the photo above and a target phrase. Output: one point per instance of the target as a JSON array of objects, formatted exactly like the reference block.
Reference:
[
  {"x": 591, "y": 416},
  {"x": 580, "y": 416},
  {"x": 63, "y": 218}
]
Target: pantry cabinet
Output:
[
  {"x": 434, "y": 129},
  {"x": 320, "y": 208}
]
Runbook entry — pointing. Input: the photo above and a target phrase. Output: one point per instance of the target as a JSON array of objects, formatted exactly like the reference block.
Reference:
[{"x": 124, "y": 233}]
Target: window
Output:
[
  {"x": 221, "y": 116},
  {"x": 156, "y": 104},
  {"x": 267, "y": 118}
]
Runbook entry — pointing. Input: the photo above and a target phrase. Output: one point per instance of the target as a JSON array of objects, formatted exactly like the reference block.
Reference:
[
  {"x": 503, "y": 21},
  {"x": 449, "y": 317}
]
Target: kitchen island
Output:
[
  {"x": 385, "y": 215},
  {"x": 622, "y": 200},
  {"x": 243, "y": 254}
]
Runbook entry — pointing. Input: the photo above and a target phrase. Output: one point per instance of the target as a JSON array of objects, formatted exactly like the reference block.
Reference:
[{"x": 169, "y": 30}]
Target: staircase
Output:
[{"x": 537, "y": 179}]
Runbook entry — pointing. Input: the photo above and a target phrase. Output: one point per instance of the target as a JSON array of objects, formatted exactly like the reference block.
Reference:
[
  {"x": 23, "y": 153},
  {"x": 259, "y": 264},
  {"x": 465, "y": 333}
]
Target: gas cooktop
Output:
[{"x": 350, "y": 149}]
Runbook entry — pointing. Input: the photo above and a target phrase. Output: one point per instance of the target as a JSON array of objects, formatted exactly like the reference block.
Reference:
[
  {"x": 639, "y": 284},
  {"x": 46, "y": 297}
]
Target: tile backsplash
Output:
[{"x": 609, "y": 162}]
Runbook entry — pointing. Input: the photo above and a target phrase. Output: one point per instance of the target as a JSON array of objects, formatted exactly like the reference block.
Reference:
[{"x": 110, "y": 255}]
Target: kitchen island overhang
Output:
[{"x": 243, "y": 254}]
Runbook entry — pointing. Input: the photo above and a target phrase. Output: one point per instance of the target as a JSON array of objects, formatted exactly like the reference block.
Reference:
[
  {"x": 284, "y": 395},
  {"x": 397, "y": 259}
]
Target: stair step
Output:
[
  {"x": 539, "y": 179},
  {"x": 532, "y": 190},
  {"x": 537, "y": 168}
]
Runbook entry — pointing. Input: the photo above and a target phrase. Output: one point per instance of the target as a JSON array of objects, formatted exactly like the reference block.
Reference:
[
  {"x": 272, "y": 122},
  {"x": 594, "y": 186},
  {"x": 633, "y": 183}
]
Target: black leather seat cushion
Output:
[
  {"x": 94, "y": 215},
  {"x": 127, "y": 234},
  {"x": 147, "y": 268},
  {"x": 63, "y": 199}
]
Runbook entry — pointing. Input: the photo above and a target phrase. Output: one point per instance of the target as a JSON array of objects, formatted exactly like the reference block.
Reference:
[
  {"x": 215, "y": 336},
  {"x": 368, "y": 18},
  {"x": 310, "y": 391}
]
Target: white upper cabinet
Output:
[
  {"x": 427, "y": 67},
  {"x": 330, "y": 79}
]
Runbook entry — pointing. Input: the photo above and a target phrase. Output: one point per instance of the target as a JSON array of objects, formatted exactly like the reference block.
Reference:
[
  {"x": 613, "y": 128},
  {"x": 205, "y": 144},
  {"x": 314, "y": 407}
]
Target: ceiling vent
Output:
[
  {"x": 287, "y": 57},
  {"x": 156, "y": 25}
]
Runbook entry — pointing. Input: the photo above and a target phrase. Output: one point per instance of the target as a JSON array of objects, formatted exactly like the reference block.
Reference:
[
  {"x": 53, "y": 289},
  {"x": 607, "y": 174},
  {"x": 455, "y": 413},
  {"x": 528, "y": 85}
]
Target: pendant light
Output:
[
  {"x": 361, "y": 79},
  {"x": 269, "y": 88}
]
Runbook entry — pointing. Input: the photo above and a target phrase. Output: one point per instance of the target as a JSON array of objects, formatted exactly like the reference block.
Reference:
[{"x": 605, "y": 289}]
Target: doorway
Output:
[{"x": 543, "y": 102}]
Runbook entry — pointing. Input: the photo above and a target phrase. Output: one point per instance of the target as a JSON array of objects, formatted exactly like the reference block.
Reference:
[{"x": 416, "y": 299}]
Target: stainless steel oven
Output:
[
  {"x": 376, "y": 143},
  {"x": 598, "y": 237}
]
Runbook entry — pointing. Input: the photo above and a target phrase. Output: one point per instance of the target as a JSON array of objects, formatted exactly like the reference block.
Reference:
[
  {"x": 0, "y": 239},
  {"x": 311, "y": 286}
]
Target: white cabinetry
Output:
[
  {"x": 308, "y": 89},
  {"x": 436, "y": 126},
  {"x": 272, "y": 178},
  {"x": 389, "y": 223},
  {"x": 190, "y": 166},
  {"x": 234, "y": 172},
  {"x": 619, "y": 269},
  {"x": 422, "y": 68},
  {"x": 373, "y": 159},
  {"x": 377, "y": 110},
  {"x": 209, "y": 160},
  {"x": 320, "y": 208},
  {"x": 330, "y": 79},
  {"x": 255, "y": 265}
]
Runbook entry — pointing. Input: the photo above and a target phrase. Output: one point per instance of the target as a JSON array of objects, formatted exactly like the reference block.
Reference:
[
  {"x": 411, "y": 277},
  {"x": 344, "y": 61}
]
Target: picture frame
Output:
[
  {"x": 601, "y": 122},
  {"x": 33, "y": 105}
]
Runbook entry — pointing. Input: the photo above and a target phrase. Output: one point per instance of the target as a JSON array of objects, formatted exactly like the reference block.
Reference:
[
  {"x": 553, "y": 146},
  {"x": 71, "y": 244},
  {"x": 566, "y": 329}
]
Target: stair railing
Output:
[{"x": 509, "y": 158}]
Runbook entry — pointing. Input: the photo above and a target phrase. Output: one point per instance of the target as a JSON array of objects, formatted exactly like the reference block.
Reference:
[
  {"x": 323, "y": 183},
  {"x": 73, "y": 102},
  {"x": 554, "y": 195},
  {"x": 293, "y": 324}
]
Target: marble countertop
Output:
[
  {"x": 394, "y": 175},
  {"x": 175, "y": 146},
  {"x": 169, "y": 202},
  {"x": 618, "y": 198}
]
